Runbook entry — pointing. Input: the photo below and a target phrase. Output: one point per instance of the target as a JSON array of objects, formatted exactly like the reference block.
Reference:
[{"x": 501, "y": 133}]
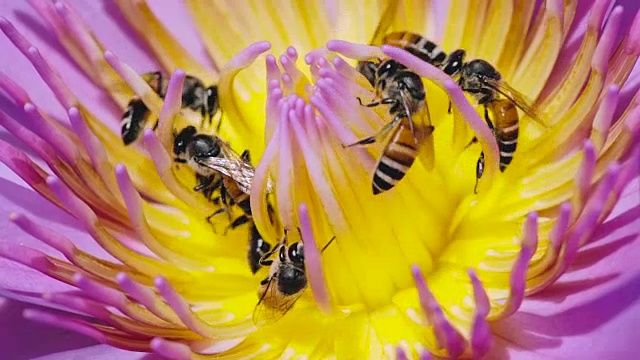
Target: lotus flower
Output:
[{"x": 112, "y": 247}]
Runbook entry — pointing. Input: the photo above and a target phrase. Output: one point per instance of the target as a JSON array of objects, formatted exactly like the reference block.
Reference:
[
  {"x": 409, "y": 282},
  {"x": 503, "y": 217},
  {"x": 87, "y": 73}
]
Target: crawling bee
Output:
[
  {"x": 258, "y": 249},
  {"x": 237, "y": 174},
  {"x": 403, "y": 91},
  {"x": 195, "y": 96},
  {"x": 188, "y": 146},
  {"x": 286, "y": 282},
  {"x": 500, "y": 100},
  {"x": 219, "y": 168}
]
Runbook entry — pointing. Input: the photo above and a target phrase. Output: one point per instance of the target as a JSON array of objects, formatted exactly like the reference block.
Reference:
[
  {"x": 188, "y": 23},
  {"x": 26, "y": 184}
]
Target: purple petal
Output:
[
  {"x": 17, "y": 336},
  {"x": 553, "y": 322}
]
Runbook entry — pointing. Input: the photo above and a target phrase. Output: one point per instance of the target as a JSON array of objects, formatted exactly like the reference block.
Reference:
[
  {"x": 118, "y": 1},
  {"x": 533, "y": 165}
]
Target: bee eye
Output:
[{"x": 295, "y": 252}]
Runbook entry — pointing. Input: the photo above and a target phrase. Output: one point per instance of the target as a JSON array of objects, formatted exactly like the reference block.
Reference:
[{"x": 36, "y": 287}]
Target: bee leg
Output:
[
  {"x": 218, "y": 125},
  {"x": 488, "y": 119},
  {"x": 327, "y": 244},
  {"x": 450, "y": 107},
  {"x": 241, "y": 220},
  {"x": 246, "y": 156},
  {"x": 473, "y": 141},
  {"x": 479, "y": 171},
  {"x": 181, "y": 161},
  {"x": 265, "y": 281},
  {"x": 377, "y": 136},
  {"x": 365, "y": 141},
  {"x": 384, "y": 101},
  {"x": 217, "y": 212},
  {"x": 204, "y": 184},
  {"x": 264, "y": 259}
]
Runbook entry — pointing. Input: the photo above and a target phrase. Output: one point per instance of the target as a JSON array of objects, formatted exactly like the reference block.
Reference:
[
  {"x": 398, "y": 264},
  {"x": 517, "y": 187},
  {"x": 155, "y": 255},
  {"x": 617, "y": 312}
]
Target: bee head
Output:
[
  {"x": 368, "y": 69},
  {"x": 454, "y": 62},
  {"x": 291, "y": 280},
  {"x": 295, "y": 253},
  {"x": 183, "y": 139},
  {"x": 203, "y": 146},
  {"x": 212, "y": 100},
  {"x": 412, "y": 83},
  {"x": 475, "y": 73},
  {"x": 388, "y": 68}
]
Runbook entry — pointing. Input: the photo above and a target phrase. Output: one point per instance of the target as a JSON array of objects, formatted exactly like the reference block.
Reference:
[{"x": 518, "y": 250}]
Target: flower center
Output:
[{"x": 426, "y": 219}]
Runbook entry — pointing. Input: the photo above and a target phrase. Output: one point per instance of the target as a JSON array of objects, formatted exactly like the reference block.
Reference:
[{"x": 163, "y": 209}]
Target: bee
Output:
[
  {"x": 417, "y": 45},
  {"x": 403, "y": 91},
  {"x": 483, "y": 81},
  {"x": 188, "y": 146},
  {"x": 258, "y": 248},
  {"x": 218, "y": 167},
  {"x": 195, "y": 96},
  {"x": 237, "y": 175},
  {"x": 286, "y": 281}
]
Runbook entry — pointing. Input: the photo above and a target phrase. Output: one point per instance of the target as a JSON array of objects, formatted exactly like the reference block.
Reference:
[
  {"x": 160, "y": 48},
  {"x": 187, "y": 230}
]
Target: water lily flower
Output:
[{"x": 108, "y": 252}]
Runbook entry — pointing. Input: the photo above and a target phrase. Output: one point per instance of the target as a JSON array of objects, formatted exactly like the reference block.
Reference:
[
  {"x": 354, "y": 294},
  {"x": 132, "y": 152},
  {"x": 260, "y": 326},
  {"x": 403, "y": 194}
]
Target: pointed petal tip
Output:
[
  {"x": 262, "y": 46},
  {"x": 6, "y": 25},
  {"x": 52, "y": 181},
  {"x": 79, "y": 279},
  {"x": 400, "y": 354},
  {"x": 111, "y": 59},
  {"x": 178, "y": 75},
  {"x": 33, "y": 51},
  {"x": 15, "y": 217},
  {"x": 160, "y": 282},
  {"x": 120, "y": 169},
  {"x": 587, "y": 146},
  {"x": 73, "y": 111},
  {"x": 634, "y": 32},
  {"x": 29, "y": 107},
  {"x": 149, "y": 135},
  {"x": 334, "y": 45},
  {"x": 122, "y": 277}
]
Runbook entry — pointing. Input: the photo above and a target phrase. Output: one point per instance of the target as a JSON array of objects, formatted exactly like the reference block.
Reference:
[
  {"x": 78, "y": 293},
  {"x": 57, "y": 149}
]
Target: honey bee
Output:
[
  {"x": 195, "y": 96},
  {"x": 402, "y": 89},
  {"x": 237, "y": 175},
  {"x": 286, "y": 282},
  {"x": 218, "y": 167},
  {"x": 483, "y": 81},
  {"x": 416, "y": 45},
  {"x": 197, "y": 150},
  {"x": 188, "y": 146}
]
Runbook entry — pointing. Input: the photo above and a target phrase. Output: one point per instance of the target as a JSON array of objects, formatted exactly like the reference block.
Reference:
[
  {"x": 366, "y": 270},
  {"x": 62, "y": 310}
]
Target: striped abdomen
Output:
[
  {"x": 240, "y": 198},
  {"x": 417, "y": 45},
  {"x": 397, "y": 157},
  {"x": 506, "y": 122},
  {"x": 137, "y": 114}
]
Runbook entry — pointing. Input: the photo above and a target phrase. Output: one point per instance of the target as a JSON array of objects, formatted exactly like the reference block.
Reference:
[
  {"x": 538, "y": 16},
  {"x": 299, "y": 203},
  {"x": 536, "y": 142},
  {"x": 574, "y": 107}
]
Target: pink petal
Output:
[
  {"x": 17, "y": 336},
  {"x": 592, "y": 311}
]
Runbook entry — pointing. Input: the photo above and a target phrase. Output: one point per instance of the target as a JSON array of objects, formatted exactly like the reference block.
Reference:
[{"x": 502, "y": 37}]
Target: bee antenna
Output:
[{"x": 327, "y": 244}]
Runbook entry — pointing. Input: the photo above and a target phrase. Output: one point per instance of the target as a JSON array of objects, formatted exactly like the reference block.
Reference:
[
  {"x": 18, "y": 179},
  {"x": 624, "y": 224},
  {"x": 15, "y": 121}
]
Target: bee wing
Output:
[
  {"x": 423, "y": 130},
  {"x": 519, "y": 99},
  {"x": 241, "y": 172},
  {"x": 386, "y": 20},
  {"x": 272, "y": 305}
]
